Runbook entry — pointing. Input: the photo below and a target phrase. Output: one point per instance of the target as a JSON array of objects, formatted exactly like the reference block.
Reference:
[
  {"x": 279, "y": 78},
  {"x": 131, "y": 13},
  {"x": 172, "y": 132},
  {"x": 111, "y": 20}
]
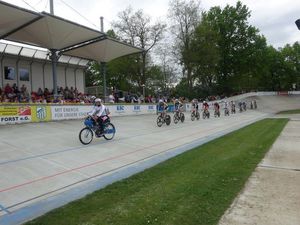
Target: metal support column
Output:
[
  {"x": 54, "y": 58},
  {"x": 103, "y": 70}
]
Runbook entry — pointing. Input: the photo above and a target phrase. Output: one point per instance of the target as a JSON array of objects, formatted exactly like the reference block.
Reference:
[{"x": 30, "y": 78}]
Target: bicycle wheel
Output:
[
  {"x": 176, "y": 119},
  {"x": 159, "y": 121},
  {"x": 168, "y": 120},
  {"x": 182, "y": 117},
  {"x": 193, "y": 116},
  {"x": 86, "y": 136},
  {"x": 109, "y": 131},
  {"x": 197, "y": 115}
]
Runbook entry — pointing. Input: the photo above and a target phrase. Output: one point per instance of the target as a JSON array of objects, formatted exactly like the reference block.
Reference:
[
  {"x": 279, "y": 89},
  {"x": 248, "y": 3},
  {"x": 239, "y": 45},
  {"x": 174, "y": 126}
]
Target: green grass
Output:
[
  {"x": 193, "y": 188},
  {"x": 294, "y": 111}
]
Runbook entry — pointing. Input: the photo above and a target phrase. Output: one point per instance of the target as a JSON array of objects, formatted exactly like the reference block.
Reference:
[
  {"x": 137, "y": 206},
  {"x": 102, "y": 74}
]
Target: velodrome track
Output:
[{"x": 43, "y": 165}]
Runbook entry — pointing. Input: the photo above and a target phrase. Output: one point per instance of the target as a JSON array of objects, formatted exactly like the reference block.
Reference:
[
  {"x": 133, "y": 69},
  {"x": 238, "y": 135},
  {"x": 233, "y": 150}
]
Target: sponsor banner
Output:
[
  {"x": 40, "y": 113},
  {"x": 69, "y": 112},
  {"x": 283, "y": 93},
  {"x": 15, "y": 114},
  {"x": 126, "y": 110}
]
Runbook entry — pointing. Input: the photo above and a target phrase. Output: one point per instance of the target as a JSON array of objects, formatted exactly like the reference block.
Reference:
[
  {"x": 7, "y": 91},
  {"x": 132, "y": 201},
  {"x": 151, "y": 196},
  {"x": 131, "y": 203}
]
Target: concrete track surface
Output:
[{"x": 43, "y": 165}]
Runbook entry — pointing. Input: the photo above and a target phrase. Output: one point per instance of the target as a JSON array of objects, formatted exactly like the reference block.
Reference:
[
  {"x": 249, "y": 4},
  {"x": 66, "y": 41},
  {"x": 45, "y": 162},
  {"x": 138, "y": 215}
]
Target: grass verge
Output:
[
  {"x": 294, "y": 111},
  {"x": 193, "y": 188}
]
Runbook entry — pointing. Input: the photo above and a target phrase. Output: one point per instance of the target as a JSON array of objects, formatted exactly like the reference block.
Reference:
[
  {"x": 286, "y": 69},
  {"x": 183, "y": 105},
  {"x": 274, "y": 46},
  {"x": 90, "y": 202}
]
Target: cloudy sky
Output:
[{"x": 274, "y": 18}]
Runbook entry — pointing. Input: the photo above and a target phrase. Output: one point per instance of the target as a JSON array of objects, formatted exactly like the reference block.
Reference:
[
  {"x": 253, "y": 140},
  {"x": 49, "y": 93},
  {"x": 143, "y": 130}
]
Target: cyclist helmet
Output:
[
  {"x": 204, "y": 102},
  {"x": 98, "y": 100},
  {"x": 160, "y": 101},
  {"x": 176, "y": 100}
]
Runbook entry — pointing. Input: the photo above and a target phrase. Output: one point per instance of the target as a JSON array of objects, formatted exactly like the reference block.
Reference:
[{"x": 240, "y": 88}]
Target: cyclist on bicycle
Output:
[
  {"x": 205, "y": 106},
  {"x": 195, "y": 105},
  {"x": 162, "y": 107},
  {"x": 98, "y": 112},
  {"x": 217, "y": 107},
  {"x": 178, "y": 106}
]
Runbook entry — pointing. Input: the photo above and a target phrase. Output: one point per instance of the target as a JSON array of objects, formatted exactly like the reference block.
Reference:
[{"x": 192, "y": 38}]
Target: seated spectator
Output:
[
  {"x": 76, "y": 93},
  {"x": 111, "y": 98},
  {"x": 46, "y": 93},
  {"x": 23, "y": 88},
  {"x": 8, "y": 91},
  {"x": 71, "y": 93},
  {"x": 142, "y": 99},
  {"x": 66, "y": 92},
  {"x": 25, "y": 94},
  {"x": 40, "y": 92},
  {"x": 60, "y": 91}
]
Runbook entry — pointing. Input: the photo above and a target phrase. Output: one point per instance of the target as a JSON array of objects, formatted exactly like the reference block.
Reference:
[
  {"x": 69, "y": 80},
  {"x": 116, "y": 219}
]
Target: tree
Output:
[
  {"x": 185, "y": 17},
  {"x": 237, "y": 44},
  {"x": 136, "y": 28},
  {"x": 205, "y": 57}
]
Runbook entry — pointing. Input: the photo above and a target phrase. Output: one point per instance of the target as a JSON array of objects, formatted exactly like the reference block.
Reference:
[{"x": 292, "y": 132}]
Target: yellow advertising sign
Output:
[
  {"x": 40, "y": 113},
  {"x": 9, "y": 110}
]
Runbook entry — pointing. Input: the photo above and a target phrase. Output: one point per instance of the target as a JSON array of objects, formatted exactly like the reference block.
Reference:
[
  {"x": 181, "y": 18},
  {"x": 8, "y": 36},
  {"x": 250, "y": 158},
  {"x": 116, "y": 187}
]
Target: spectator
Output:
[
  {"x": 8, "y": 91},
  {"x": 46, "y": 92},
  {"x": 40, "y": 92},
  {"x": 111, "y": 98}
]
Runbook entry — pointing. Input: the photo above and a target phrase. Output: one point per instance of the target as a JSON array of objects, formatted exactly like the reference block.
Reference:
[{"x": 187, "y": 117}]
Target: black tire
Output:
[
  {"x": 159, "y": 121},
  {"x": 176, "y": 119},
  {"x": 182, "y": 117},
  {"x": 168, "y": 120},
  {"x": 197, "y": 115},
  {"x": 204, "y": 115},
  {"x": 193, "y": 116},
  {"x": 109, "y": 131},
  {"x": 84, "y": 133}
]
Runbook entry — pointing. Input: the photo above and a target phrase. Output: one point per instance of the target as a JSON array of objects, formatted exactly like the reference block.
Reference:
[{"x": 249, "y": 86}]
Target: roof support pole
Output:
[
  {"x": 103, "y": 72},
  {"x": 51, "y": 7},
  {"x": 54, "y": 58}
]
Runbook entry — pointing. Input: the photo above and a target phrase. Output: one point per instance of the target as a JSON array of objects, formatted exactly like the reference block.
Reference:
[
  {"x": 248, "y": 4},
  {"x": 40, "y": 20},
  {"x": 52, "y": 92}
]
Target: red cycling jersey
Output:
[{"x": 205, "y": 105}]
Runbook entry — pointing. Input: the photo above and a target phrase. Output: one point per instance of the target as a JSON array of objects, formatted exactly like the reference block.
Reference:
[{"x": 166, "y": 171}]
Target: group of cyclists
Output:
[
  {"x": 100, "y": 111},
  {"x": 229, "y": 107}
]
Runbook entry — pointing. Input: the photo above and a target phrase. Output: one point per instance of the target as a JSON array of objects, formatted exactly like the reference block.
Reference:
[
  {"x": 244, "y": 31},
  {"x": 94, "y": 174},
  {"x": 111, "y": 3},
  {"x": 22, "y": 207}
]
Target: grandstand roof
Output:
[{"x": 53, "y": 32}]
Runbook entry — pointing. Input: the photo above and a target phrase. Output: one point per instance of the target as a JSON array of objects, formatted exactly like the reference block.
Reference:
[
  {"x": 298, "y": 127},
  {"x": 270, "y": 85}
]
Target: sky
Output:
[{"x": 274, "y": 18}]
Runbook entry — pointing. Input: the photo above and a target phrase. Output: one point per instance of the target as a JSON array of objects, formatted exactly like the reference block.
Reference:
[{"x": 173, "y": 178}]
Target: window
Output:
[
  {"x": 24, "y": 74},
  {"x": 9, "y": 73}
]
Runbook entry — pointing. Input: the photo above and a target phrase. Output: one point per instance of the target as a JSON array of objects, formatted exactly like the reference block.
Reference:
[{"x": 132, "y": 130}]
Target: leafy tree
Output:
[
  {"x": 237, "y": 44},
  {"x": 136, "y": 28},
  {"x": 205, "y": 58},
  {"x": 185, "y": 17}
]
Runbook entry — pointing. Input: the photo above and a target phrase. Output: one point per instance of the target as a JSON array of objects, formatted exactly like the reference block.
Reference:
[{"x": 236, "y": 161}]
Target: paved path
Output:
[{"x": 272, "y": 194}]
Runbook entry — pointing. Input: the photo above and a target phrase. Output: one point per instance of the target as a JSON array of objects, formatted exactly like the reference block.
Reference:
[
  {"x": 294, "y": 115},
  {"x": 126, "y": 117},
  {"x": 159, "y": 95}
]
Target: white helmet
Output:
[
  {"x": 204, "y": 101},
  {"x": 160, "y": 101},
  {"x": 93, "y": 97},
  {"x": 98, "y": 100}
]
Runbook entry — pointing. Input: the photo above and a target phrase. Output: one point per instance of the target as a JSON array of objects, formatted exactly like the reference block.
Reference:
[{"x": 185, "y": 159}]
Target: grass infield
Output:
[
  {"x": 193, "y": 188},
  {"x": 295, "y": 111}
]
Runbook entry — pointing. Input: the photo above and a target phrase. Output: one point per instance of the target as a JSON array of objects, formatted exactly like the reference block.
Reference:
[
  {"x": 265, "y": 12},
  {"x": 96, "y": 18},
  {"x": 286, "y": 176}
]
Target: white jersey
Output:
[
  {"x": 226, "y": 105},
  {"x": 98, "y": 111}
]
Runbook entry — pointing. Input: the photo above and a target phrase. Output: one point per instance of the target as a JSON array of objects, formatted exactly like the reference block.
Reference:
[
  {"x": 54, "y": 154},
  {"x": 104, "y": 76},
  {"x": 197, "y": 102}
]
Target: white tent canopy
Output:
[
  {"x": 12, "y": 17},
  {"x": 52, "y": 32},
  {"x": 103, "y": 50},
  {"x": 59, "y": 36}
]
